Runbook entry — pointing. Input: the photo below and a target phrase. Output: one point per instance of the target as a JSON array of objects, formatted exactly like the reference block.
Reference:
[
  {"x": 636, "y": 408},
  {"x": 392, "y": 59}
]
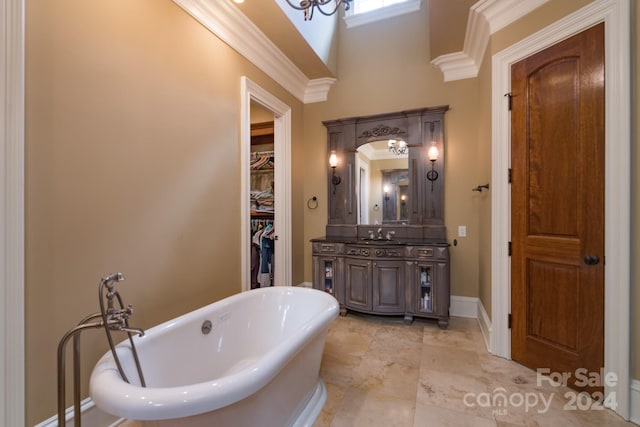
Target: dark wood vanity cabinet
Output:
[
  {"x": 385, "y": 248},
  {"x": 389, "y": 279},
  {"x": 428, "y": 281},
  {"x": 375, "y": 286},
  {"x": 328, "y": 268}
]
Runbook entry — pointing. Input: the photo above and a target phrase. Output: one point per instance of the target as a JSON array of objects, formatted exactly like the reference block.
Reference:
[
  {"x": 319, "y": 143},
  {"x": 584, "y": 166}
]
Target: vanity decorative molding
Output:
[{"x": 381, "y": 131}]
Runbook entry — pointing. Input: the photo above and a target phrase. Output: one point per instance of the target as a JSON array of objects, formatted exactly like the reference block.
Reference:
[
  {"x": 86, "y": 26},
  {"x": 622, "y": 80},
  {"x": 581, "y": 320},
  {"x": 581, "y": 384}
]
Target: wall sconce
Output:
[
  {"x": 403, "y": 199},
  {"x": 333, "y": 162},
  {"x": 432, "y": 175},
  {"x": 386, "y": 192}
]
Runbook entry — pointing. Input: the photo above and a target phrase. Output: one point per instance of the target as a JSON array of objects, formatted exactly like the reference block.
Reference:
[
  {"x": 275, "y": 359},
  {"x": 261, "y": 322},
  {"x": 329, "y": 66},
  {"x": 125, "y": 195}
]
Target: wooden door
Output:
[{"x": 557, "y": 193}]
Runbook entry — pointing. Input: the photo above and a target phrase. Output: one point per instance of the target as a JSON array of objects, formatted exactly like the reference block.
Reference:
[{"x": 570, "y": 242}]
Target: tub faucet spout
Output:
[{"x": 131, "y": 330}]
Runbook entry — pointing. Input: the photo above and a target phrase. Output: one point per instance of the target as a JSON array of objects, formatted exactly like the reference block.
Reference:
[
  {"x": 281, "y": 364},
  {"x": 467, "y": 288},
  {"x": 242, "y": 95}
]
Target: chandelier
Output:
[
  {"x": 326, "y": 7},
  {"x": 397, "y": 147}
]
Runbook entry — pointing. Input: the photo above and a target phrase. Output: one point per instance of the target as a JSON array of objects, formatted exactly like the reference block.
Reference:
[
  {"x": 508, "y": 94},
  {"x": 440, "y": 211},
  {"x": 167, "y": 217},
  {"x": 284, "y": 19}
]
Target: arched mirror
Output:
[{"x": 382, "y": 182}]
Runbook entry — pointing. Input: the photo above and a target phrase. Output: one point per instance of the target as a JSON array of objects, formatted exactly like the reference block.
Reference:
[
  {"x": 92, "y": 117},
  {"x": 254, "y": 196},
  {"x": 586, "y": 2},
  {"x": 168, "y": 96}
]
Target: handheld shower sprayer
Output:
[
  {"x": 117, "y": 319},
  {"x": 110, "y": 282}
]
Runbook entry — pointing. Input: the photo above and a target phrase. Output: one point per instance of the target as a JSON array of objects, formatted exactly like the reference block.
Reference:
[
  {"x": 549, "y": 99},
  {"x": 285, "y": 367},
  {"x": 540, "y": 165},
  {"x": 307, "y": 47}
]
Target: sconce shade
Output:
[
  {"x": 333, "y": 160},
  {"x": 433, "y": 153}
]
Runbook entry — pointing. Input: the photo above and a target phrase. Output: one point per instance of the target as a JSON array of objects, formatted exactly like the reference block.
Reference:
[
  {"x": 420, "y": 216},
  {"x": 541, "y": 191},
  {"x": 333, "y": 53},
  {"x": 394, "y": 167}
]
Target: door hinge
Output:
[
  {"x": 509, "y": 319},
  {"x": 509, "y": 175},
  {"x": 509, "y": 96},
  {"x": 509, "y": 248}
]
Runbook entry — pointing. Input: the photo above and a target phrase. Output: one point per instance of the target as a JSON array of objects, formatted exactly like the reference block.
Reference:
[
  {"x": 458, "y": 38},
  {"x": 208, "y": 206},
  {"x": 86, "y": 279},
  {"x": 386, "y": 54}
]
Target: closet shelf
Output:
[{"x": 259, "y": 214}]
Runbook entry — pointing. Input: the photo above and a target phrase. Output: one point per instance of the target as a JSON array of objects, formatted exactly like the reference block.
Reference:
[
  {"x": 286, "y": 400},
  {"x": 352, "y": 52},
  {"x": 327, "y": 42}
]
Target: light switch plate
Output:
[{"x": 462, "y": 231}]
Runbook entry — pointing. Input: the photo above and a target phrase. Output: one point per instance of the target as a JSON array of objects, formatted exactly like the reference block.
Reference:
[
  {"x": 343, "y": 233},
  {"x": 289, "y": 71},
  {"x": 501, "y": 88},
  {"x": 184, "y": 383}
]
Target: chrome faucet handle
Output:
[{"x": 390, "y": 234}]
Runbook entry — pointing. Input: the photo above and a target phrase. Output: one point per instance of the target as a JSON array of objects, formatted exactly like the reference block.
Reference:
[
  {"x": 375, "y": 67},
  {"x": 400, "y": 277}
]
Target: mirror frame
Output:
[{"x": 420, "y": 128}]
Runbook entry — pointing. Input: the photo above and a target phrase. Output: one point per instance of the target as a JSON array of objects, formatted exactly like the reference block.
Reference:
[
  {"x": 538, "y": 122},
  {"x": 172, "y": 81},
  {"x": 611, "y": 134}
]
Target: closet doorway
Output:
[
  {"x": 262, "y": 198},
  {"x": 266, "y": 189}
]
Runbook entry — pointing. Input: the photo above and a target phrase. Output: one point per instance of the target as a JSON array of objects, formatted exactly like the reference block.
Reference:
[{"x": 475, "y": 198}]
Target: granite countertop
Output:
[{"x": 383, "y": 242}]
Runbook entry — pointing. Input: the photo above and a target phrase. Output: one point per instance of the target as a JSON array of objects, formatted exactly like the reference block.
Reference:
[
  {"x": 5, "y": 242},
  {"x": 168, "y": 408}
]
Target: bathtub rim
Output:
[{"x": 113, "y": 395}]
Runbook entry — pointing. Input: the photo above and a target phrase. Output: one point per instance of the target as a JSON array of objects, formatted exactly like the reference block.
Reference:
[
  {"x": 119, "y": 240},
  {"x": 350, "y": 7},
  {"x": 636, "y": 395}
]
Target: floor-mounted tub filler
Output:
[{"x": 252, "y": 359}]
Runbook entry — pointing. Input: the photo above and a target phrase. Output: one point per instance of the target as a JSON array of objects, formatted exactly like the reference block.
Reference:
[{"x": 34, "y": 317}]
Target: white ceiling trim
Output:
[
  {"x": 229, "y": 24},
  {"x": 485, "y": 18},
  {"x": 318, "y": 89}
]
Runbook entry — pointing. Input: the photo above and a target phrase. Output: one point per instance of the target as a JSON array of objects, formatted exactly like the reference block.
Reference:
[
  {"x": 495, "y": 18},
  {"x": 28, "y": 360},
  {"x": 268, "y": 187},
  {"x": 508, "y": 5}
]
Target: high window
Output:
[
  {"x": 363, "y": 6},
  {"x": 367, "y": 11}
]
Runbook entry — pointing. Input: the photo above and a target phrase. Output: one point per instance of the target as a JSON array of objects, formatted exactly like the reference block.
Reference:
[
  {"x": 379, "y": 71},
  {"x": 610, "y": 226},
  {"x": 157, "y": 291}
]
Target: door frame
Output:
[
  {"x": 615, "y": 14},
  {"x": 251, "y": 92},
  {"x": 12, "y": 325}
]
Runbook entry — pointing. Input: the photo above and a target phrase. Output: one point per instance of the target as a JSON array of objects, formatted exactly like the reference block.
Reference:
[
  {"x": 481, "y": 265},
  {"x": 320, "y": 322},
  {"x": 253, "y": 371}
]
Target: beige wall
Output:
[
  {"x": 132, "y": 165},
  {"x": 483, "y": 199},
  {"x": 447, "y": 25}
]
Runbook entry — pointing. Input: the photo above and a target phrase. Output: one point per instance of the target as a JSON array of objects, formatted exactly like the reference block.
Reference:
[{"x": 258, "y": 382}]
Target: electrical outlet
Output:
[{"x": 462, "y": 231}]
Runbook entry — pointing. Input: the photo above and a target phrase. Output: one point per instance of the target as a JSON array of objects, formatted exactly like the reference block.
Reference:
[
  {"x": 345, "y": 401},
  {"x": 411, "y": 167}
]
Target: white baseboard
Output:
[
  {"x": 471, "y": 307},
  {"x": 464, "y": 307},
  {"x": 91, "y": 416},
  {"x": 635, "y": 402},
  {"x": 485, "y": 325}
]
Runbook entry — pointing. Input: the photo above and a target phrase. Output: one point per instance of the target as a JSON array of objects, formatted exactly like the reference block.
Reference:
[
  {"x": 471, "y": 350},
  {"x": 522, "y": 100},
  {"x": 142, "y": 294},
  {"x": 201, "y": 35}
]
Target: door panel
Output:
[
  {"x": 551, "y": 284},
  {"x": 388, "y": 286},
  {"x": 557, "y": 196},
  {"x": 357, "y": 279},
  {"x": 553, "y": 149}
]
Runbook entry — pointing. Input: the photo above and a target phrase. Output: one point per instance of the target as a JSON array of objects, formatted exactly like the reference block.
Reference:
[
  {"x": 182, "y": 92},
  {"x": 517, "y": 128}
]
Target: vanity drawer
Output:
[
  {"x": 327, "y": 248},
  {"x": 421, "y": 252},
  {"x": 442, "y": 253}
]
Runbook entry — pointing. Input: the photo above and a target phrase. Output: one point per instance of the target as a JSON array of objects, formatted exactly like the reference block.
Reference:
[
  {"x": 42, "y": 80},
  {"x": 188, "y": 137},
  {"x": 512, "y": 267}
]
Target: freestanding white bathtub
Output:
[{"x": 258, "y": 366}]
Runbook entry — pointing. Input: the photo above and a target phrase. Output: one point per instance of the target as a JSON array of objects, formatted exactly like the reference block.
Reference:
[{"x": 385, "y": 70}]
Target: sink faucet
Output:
[
  {"x": 371, "y": 236},
  {"x": 380, "y": 233},
  {"x": 390, "y": 234}
]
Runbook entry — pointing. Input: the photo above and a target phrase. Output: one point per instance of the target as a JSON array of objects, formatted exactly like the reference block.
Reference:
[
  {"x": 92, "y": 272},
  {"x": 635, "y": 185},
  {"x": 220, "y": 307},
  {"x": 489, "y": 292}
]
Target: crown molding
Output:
[
  {"x": 485, "y": 18},
  {"x": 236, "y": 30},
  {"x": 456, "y": 66},
  {"x": 318, "y": 89}
]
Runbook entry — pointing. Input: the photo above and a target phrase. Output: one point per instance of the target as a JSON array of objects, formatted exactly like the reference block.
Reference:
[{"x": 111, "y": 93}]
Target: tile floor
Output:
[{"x": 381, "y": 372}]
